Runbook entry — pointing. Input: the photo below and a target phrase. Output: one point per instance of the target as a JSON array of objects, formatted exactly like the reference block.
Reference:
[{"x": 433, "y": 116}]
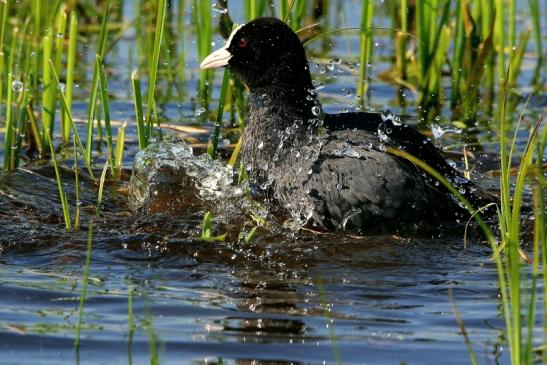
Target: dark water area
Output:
[
  {"x": 284, "y": 297},
  {"x": 302, "y": 298}
]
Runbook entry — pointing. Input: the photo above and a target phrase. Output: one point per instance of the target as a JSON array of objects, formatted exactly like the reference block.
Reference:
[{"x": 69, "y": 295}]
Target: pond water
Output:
[{"x": 283, "y": 297}]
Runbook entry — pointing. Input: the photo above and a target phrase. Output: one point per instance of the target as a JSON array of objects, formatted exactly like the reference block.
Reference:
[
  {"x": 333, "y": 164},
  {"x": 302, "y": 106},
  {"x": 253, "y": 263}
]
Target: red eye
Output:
[{"x": 243, "y": 42}]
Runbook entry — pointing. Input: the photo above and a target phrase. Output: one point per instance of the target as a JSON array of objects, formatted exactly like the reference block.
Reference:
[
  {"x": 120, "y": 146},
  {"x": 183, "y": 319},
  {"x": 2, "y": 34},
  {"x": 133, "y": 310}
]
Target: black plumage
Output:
[{"x": 330, "y": 170}]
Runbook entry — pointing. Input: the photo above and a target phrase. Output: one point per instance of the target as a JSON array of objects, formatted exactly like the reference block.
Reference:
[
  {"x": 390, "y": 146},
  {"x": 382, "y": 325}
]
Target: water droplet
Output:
[
  {"x": 219, "y": 8},
  {"x": 60, "y": 35},
  {"x": 316, "y": 110},
  {"x": 462, "y": 190},
  {"x": 62, "y": 87},
  {"x": 17, "y": 86},
  {"x": 200, "y": 111}
]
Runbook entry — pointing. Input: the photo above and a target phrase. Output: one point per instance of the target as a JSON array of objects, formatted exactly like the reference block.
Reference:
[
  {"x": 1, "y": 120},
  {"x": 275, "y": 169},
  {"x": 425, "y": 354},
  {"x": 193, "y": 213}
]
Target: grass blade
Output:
[
  {"x": 137, "y": 102},
  {"x": 84, "y": 282},
  {"x": 220, "y": 112},
  {"x": 153, "y": 68}
]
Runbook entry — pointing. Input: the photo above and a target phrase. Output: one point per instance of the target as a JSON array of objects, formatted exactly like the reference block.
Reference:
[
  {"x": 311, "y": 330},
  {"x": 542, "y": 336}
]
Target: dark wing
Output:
[
  {"x": 407, "y": 138},
  {"x": 352, "y": 186}
]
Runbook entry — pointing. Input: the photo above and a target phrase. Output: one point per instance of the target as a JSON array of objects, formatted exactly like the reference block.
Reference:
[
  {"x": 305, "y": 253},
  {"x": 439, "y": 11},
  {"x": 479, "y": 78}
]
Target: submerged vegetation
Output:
[{"x": 464, "y": 59}]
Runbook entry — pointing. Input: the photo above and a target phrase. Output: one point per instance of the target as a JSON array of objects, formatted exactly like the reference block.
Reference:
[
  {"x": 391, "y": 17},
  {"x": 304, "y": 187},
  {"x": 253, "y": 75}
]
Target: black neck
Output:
[{"x": 277, "y": 118}]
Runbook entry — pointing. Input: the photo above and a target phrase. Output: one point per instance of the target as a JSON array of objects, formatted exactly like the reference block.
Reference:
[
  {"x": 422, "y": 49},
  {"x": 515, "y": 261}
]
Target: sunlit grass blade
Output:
[
  {"x": 48, "y": 97},
  {"x": 118, "y": 157},
  {"x": 8, "y": 137},
  {"x": 103, "y": 92},
  {"x": 5, "y": 8},
  {"x": 71, "y": 62},
  {"x": 62, "y": 195},
  {"x": 101, "y": 188},
  {"x": 95, "y": 82},
  {"x": 153, "y": 67},
  {"x": 137, "y": 102},
  {"x": 37, "y": 137},
  {"x": 60, "y": 28},
  {"x": 365, "y": 47},
  {"x": 202, "y": 17},
  {"x": 536, "y": 17}
]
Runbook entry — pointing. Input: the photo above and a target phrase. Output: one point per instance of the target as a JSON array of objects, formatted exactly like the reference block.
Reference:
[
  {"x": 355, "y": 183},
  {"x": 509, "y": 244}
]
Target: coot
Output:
[{"x": 330, "y": 170}]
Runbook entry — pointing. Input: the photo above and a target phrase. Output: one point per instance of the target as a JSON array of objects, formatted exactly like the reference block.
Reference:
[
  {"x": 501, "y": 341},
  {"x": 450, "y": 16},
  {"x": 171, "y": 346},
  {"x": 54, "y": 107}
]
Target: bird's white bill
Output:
[{"x": 218, "y": 58}]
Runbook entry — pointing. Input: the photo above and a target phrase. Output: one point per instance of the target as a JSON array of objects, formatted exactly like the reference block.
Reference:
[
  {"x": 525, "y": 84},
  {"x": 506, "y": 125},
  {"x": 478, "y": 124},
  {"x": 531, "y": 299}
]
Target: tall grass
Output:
[
  {"x": 254, "y": 8},
  {"x": 365, "y": 47},
  {"x": 203, "y": 20},
  {"x": 95, "y": 82},
  {"x": 71, "y": 63},
  {"x": 153, "y": 66}
]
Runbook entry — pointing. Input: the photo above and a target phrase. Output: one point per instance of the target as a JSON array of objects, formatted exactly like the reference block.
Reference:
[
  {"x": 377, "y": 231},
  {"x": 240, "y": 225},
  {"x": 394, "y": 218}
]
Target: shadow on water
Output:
[{"x": 280, "y": 298}]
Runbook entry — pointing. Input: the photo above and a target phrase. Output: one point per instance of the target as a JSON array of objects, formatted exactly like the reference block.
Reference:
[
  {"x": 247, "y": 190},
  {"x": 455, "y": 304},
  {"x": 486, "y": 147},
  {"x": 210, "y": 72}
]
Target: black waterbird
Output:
[{"x": 330, "y": 170}]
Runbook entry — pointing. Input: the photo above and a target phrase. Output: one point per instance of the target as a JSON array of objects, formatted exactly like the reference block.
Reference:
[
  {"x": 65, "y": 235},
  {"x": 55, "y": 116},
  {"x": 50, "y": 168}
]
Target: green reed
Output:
[
  {"x": 60, "y": 29},
  {"x": 220, "y": 112},
  {"x": 365, "y": 47},
  {"x": 77, "y": 214},
  {"x": 71, "y": 62},
  {"x": 510, "y": 222},
  {"x": 254, "y": 8},
  {"x": 137, "y": 102},
  {"x": 62, "y": 196},
  {"x": 118, "y": 154},
  {"x": 203, "y": 19},
  {"x": 153, "y": 67},
  {"x": 103, "y": 92},
  {"x": 294, "y": 13},
  {"x": 181, "y": 34},
  {"x": 101, "y": 188},
  {"x": 68, "y": 113},
  {"x": 401, "y": 40},
  {"x": 95, "y": 81},
  {"x": 48, "y": 93},
  {"x": 84, "y": 283},
  {"x": 207, "y": 229}
]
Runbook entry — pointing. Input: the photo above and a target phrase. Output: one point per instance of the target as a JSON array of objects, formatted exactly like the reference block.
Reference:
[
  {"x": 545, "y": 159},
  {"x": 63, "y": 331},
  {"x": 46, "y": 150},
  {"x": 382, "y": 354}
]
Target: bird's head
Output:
[{"x": 264, "y": 52}]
